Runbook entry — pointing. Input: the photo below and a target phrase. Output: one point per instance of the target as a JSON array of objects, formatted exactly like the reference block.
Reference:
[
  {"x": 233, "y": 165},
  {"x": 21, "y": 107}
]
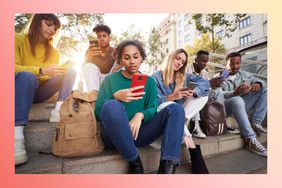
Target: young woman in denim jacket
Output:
[{"x": 170, "y": 81}]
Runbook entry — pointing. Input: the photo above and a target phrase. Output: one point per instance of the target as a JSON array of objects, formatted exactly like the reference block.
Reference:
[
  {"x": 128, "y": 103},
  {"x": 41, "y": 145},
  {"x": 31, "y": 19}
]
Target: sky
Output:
[{"x": 144, "y": 22}]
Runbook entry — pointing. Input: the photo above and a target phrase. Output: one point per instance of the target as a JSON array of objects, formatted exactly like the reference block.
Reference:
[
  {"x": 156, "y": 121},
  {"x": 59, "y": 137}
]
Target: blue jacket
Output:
[{"x": 201, "y": 90}]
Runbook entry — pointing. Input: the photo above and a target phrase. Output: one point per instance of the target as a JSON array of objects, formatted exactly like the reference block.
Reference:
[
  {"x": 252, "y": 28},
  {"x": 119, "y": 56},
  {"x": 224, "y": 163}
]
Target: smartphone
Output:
[
  {"x": 224, "y": 74},
  {"x": 139, "y": 80},
  {"x": 95, "y": 42},
  {"x": 191, "y": 85}
]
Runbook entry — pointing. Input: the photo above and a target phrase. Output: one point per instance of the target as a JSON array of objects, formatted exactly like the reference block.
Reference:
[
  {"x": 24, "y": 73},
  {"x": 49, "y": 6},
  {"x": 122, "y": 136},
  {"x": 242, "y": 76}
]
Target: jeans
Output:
[
  {"x": 253, "y": 103},
  {"x": 28, "y": 91},
  {"x": 116, "y": 131}
]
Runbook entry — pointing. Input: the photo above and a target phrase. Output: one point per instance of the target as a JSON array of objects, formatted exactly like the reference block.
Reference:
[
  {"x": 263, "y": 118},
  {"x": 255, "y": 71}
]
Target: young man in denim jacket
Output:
[{"x": 245, "y": 99}]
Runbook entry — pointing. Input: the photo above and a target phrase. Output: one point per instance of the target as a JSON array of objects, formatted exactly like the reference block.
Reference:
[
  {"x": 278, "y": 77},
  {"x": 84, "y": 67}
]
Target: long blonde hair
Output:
[{"x": 168, "y": 72}]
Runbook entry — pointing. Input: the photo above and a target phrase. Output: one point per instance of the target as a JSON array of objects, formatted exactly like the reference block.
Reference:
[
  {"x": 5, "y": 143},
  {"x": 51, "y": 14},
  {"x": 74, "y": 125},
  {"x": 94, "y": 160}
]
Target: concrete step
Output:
[
  {"x": 41, "y": 111},
  {"x": 235, "y": 162},
  {"x": 39, "y": 138}
]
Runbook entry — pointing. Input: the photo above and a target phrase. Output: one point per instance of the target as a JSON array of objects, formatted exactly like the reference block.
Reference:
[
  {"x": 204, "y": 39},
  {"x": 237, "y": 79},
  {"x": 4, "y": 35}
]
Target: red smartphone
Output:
[
  {"x": 95, "y": 42},
  {"x": 139, "y": 80}
]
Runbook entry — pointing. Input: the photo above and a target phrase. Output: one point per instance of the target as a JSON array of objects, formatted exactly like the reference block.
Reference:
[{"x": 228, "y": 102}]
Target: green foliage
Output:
[
  {"x": 155, "y": 46},
  {"x": 206, "y": 24},
  {"x": 20, "y": 21},
  {"x": 132, "y": 33},
  {"x": 205, "y": 43}
]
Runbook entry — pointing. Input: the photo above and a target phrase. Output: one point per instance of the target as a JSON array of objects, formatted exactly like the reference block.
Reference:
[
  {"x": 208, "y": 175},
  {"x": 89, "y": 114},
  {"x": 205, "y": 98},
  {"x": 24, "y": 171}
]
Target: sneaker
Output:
[
  {"x": 55, "y": 116},
  {"x": 255, "y": 146},
  {"x": 232, "y": 130},
  {"x": 20, "y": 153},
  {"x": 198, "y": 133},
  {"x": 258, "y": 128}
]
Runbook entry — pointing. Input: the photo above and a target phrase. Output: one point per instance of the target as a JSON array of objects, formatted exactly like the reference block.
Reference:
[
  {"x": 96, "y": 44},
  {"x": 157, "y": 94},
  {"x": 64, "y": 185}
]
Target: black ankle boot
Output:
[
  {"x": 197, "y": 161},
  {"x": 136, "y": 167},
  {"x": 167, "y": 167}
]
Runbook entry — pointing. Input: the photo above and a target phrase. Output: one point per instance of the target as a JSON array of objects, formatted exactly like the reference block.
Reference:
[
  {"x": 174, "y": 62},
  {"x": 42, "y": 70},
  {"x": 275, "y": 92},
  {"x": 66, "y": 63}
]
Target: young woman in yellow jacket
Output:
[{"x": 38, "y": 75}]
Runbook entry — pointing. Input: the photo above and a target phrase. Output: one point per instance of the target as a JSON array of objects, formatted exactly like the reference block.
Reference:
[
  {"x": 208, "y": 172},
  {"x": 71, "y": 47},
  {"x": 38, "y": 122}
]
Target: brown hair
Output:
[{"x": 34, "y": 30}]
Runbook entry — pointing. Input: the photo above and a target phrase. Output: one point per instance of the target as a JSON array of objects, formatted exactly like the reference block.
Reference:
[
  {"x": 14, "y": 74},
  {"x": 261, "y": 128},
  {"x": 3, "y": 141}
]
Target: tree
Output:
[
  {"x": 20, "y": 21},
  {"x": 155, "y": 46},
  {"x": 207, "y": 23}
]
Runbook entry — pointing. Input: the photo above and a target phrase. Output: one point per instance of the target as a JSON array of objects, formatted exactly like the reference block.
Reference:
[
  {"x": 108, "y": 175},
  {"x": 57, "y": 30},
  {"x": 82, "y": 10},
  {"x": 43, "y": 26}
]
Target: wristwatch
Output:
[{"x": 40, "y": 71}]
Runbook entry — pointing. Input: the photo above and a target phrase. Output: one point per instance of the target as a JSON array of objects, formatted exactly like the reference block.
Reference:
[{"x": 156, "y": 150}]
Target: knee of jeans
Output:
[
  {"x": 111, "y": 108},
  {"x": 238, "y": 102},
  {"x": 176, "y": 108},
  {"x": 28, "y": 77}
]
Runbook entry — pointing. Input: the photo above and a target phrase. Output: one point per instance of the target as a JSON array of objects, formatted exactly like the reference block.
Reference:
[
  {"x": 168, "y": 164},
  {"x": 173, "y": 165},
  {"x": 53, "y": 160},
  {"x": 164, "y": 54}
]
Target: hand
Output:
[
  {"x": 178, "y": 94},
  {"x": 135, "y": 124},
  {"x": 116, "y": 67},
  {"x": 127, "y": 95},
  {"x": 242, "y": 89},
  {"x": 216, "y": 82},
  {"x": 54, "y": 70},
  {"x": 188, "y": 93},
  {"x": 93, "y": 51},
  {"x": 255, "y": 87}
]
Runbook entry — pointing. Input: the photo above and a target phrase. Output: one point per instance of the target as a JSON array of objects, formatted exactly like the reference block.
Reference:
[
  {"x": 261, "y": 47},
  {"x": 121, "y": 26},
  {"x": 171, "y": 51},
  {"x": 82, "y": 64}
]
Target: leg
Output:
[
  {"x": 116, "y": 133},
  {"x": 115, "y": 128},
  {"x": 62, "y": 83},
  {"x": 192, "y": 108},
  {"x": 256, "y": 102},
  {"x": 236, "y": 106},
  {"x": 92, "y": 76},
  {"x": 26, "y": 85}
]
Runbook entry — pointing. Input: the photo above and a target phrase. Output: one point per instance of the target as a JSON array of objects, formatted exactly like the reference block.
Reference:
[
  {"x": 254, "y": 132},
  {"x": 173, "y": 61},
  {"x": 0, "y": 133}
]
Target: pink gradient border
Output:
[{"x": 7, "y": 11}]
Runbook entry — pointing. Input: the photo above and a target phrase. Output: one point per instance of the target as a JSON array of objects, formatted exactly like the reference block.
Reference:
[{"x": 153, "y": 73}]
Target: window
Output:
[
  {"x": 186, "y": 16},
  {"x": 245, "y": 39},
  {"x": 186, "y": 27},
  {"x": 186, "y": 38},
  {"x": 220, "y": 34},
  {"x": 245, "y": 22}
]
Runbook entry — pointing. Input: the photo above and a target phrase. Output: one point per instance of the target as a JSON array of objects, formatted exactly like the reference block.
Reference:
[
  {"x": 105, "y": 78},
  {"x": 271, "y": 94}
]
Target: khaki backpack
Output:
[{"x": 78, "y": 133}]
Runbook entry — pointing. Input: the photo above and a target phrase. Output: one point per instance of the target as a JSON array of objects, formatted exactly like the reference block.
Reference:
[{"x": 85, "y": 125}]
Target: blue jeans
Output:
[
  {"x": 253, "y": 103},
  {"x": 28, "y": 91},
  {"x": 116, "y": 132}
]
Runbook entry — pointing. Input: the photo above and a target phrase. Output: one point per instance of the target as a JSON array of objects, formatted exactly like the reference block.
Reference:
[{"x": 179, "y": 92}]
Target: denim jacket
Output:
[
  {"x": 228, "y": 86},
  {"x": 201, "y": 90}
]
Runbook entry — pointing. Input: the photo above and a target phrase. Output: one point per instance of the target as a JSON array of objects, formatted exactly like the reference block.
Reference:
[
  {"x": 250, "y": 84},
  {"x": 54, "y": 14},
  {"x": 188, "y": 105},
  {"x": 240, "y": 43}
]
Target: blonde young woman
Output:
[{"x": 171, "y": 80}]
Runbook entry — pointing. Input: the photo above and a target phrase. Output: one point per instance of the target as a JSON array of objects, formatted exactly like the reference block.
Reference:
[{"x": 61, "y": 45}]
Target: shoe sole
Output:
[
  {"x": 21, "y": 159},
  {"x": 259, "y": 154}
]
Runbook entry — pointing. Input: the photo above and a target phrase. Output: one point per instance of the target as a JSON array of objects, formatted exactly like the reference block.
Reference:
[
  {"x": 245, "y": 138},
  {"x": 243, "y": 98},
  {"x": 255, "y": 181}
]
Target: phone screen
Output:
[
  {"x": 191, "y": 85},
  {"x": 139, "y": 80},
  {"x": 224, "y": 74},
  {"x": 95, "y": 42}
]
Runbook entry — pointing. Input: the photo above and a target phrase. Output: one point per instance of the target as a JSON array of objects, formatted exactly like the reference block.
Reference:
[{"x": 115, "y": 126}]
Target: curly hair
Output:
[{"x": 101, "y": 27}]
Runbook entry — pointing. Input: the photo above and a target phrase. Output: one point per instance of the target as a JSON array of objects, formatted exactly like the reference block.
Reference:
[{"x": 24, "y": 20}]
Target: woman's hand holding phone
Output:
[
  {"x": 53, "y": 70},
  {"x": 128, "y": 95},
  {"x": 180, "y": 94}
]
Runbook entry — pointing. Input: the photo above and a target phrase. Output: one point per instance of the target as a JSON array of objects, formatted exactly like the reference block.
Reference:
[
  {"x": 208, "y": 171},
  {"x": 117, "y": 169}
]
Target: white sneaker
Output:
[
  {"x": 55, "y": 116},
  {"x": 20, "y": 153},
  {"x": 198, "y": 133}
]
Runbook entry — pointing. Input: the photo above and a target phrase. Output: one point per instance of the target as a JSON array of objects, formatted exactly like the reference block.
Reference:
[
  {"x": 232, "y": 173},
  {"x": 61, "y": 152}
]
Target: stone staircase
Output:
[{"x": 39, "y": 136}]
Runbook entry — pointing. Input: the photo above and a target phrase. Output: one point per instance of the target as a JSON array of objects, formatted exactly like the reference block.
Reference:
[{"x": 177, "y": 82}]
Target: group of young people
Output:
[{"x": 131, "y": 119}]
